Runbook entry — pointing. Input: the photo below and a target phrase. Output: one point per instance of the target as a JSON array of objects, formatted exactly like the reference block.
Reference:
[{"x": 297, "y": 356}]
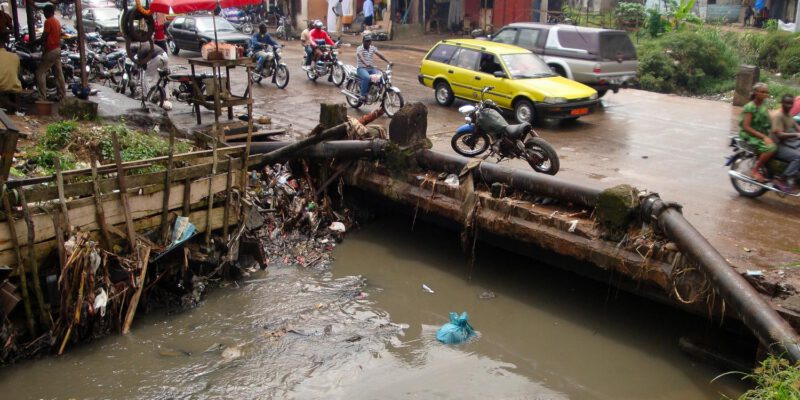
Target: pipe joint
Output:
[{"x": 653, "y": 206}]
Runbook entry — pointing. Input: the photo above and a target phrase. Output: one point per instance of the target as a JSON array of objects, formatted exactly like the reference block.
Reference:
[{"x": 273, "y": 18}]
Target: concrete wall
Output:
[{"x": 725, "y": 12}]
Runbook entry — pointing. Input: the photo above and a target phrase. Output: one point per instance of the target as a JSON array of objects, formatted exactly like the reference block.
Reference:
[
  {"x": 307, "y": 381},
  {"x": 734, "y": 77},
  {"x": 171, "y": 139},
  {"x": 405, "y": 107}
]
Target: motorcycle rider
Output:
[
  {"x": 754, "y": 123},
  {"x": 318, "y": 34},
  {"x": 785, "y": 131},
  {"x": 258, "y": 45},
  {"x": 51, "y": 57},
  {"x": 152, "y": 58},
  {"x": 365, "y": 63},
  {"x": 305, "y": 40}
]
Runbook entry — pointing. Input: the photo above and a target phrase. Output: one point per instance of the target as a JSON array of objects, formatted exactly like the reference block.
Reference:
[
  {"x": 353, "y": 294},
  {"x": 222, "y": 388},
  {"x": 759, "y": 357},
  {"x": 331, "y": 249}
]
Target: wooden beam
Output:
[
  {"x": 167, "y": 183},
  {"x": 144, "y": 260},
  {"x": 123, "y": 191}
]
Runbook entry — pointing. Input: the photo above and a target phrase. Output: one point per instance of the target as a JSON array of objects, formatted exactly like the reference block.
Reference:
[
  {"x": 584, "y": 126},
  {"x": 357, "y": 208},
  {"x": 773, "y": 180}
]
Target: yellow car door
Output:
[
  {"x": 462, "y": 70},
  {"x": 491, "y": 73}
]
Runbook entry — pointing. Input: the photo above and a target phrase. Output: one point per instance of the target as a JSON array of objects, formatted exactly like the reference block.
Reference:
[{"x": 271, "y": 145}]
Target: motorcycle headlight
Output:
[
  {"x": 593, "y": 96},
  {"x": 555, "y": 100}
]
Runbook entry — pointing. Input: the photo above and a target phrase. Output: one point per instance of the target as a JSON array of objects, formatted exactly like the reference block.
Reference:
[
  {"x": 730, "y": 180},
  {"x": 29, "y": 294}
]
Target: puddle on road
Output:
[{"x": 366, "y": 330}]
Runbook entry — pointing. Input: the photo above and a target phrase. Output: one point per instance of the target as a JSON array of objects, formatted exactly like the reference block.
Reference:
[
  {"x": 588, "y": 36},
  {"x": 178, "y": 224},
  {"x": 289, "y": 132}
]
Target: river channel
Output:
[{"x": 365, "y": 329}]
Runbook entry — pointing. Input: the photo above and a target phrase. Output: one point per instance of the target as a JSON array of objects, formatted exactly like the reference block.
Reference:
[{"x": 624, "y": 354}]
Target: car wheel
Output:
[
  {"x": 559, "y": 70},
  {"x": 524, "y": 111},
  {"x": 601, "y": 92},
  {"x": 173, "y": 48},
  {"x": 444, "y": 94}
]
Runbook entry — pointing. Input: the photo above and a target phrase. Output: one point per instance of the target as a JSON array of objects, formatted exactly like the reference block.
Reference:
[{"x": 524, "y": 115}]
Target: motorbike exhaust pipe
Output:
[
  {"x": 744, "y": 178},
  {"x": 350, "y": 95}
]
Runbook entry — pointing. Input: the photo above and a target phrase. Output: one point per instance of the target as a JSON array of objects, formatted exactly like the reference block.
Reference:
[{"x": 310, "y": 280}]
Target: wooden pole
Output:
[
  {"x": 123, "y": 193},
  {"x": 100, "y": 214},
  {"x": 81, "y": 42},
  {"x": 228, "y": 187},
  {"x": 44, "y": 316},
  {"x": 211, "y": 194},
  {"x": 249, "y": 128},
  {"x": 167, "y": 184},
  {"x": 187, "y": 196},
  {"x": 30, "y": 16},
  {"x": 62, "y": 256},
  {"x": 15, "y": 19},
  {"x": 61, "y": 198},
  {"x": 144, "y": 259},
  {"x": 23, "y": 280}
]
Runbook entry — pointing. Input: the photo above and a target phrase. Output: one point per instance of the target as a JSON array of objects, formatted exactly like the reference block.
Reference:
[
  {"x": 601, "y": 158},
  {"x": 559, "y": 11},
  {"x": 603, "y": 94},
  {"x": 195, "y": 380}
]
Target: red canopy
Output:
[{"x": 185, "y": 6}]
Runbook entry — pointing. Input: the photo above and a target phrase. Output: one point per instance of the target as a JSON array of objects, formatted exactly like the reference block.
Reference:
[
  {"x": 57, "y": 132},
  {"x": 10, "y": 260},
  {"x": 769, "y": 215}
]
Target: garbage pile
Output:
[{"x": 297, "y": 225}]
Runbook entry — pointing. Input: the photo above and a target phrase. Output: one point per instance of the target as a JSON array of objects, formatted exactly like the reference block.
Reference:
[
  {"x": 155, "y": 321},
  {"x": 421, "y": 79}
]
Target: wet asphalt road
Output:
[{"x": 672, "y": 145}]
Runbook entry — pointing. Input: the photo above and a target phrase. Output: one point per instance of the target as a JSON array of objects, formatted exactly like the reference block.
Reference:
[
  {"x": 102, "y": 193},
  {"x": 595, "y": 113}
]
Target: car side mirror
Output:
[{"x": 499, "y": 74}]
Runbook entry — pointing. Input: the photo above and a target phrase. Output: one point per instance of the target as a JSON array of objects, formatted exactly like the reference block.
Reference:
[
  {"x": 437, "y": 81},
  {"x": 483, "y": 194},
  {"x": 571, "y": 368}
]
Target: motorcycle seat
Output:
[{"x": 515, "y": 132}]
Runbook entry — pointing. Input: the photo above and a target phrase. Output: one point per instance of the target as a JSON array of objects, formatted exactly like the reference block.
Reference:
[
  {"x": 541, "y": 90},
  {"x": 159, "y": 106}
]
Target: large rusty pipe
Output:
[
  {"x": 530, "y": 181},
  {"x": 766, "y": 324},
  {"x": 344, "y": 149}
]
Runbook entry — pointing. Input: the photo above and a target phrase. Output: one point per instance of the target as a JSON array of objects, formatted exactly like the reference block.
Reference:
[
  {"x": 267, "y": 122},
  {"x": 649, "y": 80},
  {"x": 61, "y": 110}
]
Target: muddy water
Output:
[{"x": 366, "y": 330}]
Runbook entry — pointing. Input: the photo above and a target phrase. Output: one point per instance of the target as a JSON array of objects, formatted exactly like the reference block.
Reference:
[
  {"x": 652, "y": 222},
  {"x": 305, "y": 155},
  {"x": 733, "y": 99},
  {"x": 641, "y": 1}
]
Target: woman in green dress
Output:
[{"x": 754, "y": 124}]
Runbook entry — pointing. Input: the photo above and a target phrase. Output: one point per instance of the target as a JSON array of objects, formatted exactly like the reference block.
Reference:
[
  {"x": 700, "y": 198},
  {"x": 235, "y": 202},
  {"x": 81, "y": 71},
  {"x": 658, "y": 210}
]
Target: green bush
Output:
[
  {"x": 789, "y": 61},
  {"x": 46, "y": 159},
  {"x": 58, "y": 134},
  {"x": 689, "y": 61},
  {"x": 656, "y": 24},
  {"x": 747, "y": 45},
  {"x": 630, "y": 14},
  {"x": 775, "y": 379},
  {"x": 135, "y": 145},
  {"x": 773, "y": 45}
]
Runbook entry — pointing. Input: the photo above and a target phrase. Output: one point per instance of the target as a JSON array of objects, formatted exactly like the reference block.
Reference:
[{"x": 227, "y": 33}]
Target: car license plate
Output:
[{"x": 579, "y": 111}]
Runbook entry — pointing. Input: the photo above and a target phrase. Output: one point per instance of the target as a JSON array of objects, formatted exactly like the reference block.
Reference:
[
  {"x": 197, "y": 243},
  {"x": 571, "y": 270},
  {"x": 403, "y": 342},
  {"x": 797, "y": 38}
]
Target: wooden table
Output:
[{"x": 215, "y": 101}]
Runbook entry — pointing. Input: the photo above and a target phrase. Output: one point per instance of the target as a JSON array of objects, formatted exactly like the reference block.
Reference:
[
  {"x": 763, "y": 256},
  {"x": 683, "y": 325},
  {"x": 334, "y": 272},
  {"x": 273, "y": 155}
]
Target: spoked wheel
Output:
[
  {"x": 392, "y": 103},
  {"x": 156, "y": 95},
  {"x": 311, "y": 74},
  {"x": 247, "y": 28},
  {"x": 541, "y": 156},
  {"x": 338, "y": 74},
  {"x": 743, "y": 164},
  {"x": 469, "y": 144},
  {"x": 353, "y": 88},
  {"x": 281, "y": 76}
]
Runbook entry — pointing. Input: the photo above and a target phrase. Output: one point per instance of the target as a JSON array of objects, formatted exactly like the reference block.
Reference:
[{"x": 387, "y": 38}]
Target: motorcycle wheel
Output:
[
  {"x": 469, "y": 144},
  {"x": 392, "y": 103},
  {"x": 247, "y": 28},
  {"x": 338, "y": 74},
  {"x": 156, "y": 95},
  {"x": 257, "y": 78},
  {"x": 281, "y": 76},
  {"x": 743, "y": 163},
  {"x": 311, "y": 74},
  {"x": 541, "y": 156},
  {"x": 352, "y": 87}
]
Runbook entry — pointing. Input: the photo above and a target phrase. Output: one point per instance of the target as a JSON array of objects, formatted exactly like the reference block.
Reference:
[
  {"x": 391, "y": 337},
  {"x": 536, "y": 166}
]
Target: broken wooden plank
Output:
[
  {"x": 44, "y": 316},
  {"x": 267, "y": 133},
  {"x": 144, "y": 260},
  {"x": 97, "y": 195},
  {"x": 20, "y": 263},
  {"x": 123, "y": 189}
]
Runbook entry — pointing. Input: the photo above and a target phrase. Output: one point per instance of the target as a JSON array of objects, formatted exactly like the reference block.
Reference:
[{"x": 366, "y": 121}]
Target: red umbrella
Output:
[{"x": 185, "y": 6}]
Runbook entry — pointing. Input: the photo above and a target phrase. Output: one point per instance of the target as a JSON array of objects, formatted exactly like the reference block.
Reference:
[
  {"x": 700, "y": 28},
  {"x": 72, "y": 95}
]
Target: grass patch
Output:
[{"x": 775, "y": 379}]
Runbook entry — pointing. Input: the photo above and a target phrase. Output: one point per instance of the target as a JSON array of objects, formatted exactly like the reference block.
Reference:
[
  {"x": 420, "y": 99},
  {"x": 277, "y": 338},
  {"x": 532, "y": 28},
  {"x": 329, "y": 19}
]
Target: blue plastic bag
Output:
[{"x": 458, "y": 330}]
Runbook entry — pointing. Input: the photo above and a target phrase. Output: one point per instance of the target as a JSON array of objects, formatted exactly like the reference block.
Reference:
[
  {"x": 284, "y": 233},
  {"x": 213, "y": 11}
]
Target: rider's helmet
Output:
[
  {"x": 318, "y": 24},
  {"x": 366, "y": 38}
]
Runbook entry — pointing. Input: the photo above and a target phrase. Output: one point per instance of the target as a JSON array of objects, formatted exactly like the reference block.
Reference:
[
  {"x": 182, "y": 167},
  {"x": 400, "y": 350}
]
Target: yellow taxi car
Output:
[{"x": 522, "y": 82}]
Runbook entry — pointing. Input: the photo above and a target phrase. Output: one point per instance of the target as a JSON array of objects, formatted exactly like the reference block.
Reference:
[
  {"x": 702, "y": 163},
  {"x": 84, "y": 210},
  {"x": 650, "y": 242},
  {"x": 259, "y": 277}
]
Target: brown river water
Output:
[{"x": 365, "y": 329}]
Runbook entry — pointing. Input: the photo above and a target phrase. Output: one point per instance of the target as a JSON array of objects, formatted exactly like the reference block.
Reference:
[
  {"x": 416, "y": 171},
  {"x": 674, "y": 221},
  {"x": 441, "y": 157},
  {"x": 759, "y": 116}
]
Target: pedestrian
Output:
[
  {"x": 369, "y": 12},
  {"x": 51, "y": 57},
  {"x": 9, "y": 74},
  {"x": 337, "y": 11},
  {"x": 152, "y": 58},
  {"x": 754, "y": 128},
  {"x": 366, "y": 63},
  {"x": 159, "y": 37}
]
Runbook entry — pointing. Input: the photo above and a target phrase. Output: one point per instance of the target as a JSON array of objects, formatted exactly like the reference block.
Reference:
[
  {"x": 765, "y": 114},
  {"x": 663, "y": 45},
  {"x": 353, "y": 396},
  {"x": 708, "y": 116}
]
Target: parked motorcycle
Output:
[
  {"x": 380, "y": 90},
  {"x": 183, "y": 92},
  {"x": 742, "y": 161},
  {"x": 29, "y": 60},
  {"x": 131, "y": 77},
  {"x": 285, "y": 30},
  {"x": 487, "y": 129},
  {"x": 327, "y": 64},
  {"x": 239, "y": 19},
  {"x": 272, "y": 66}
]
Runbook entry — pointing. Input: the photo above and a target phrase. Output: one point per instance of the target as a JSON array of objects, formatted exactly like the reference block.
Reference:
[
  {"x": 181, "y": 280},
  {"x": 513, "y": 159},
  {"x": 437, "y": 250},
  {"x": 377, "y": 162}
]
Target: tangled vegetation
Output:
[
  {"x": 69, "y": 142},
  {"x": 774, "y": 379}
]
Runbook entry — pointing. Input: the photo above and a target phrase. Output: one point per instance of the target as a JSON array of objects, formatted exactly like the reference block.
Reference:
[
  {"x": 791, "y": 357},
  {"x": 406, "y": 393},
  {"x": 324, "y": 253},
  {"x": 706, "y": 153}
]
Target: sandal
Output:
[{"x": 758, "y": 177}]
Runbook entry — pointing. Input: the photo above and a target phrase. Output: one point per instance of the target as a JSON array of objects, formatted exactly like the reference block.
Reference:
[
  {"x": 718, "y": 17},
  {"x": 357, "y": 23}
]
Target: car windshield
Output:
[
  {"x": 526, "y": 65},
  {"x": 207, "y": 25},
  {"x": 106, "y": 13}
]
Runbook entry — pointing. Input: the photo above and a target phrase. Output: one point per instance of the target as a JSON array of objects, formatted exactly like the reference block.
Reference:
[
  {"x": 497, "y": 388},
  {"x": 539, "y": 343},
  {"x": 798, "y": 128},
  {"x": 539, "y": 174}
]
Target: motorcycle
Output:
[
  {"x": 131, "y": 77},
  {"x": 285, "y": 30},
  {"x": 741, "y": 163},
  {"x": 380, "y": 90},
  {"x": 327, "y": 64},
  {"x": 239, "y": 19},
  {"x": 487, "y": 129},
  {"x": 183, "y": 92},
  {"x": 272, "y": 67},
  {"x": 30, "y": 60}
]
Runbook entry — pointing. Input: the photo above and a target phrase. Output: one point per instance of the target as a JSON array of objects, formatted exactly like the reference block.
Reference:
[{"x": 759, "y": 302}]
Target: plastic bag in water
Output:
[{"x": 458, "y": 330}]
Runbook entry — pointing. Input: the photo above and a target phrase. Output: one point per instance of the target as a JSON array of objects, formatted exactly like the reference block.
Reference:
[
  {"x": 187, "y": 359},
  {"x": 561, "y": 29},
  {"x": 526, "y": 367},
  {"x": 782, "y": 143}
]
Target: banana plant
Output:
[{"x": 680, "y": 12}]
